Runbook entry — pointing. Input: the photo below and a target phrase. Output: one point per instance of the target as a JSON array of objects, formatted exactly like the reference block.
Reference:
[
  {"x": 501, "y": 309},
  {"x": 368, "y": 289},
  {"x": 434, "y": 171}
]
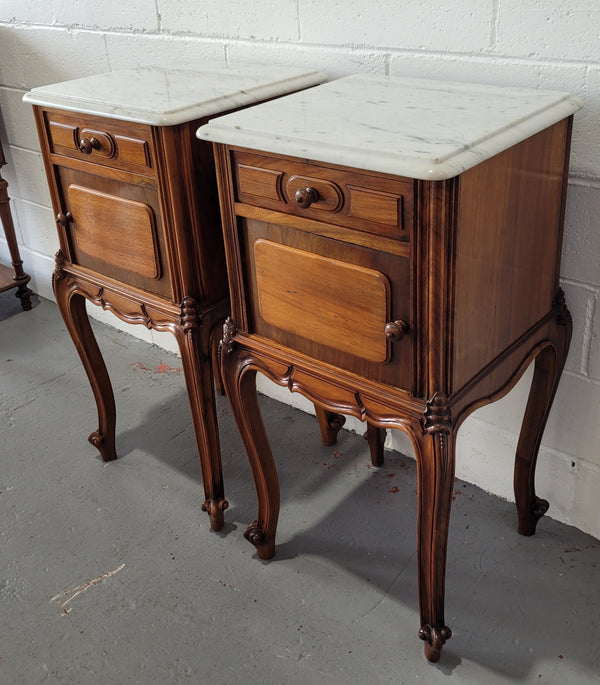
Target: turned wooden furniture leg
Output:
[
  {"x": 435, "y": 450},
  {"x": 240, "y": 385},
  {"x": 72, "y": 309},
  {"x": 549, "y": 364},
  {"x": 195, "y": 345},
  {"x": 330, "y": 424},
  {"x": 20, "y": 278},
  {"x": 376, "y": 438}
]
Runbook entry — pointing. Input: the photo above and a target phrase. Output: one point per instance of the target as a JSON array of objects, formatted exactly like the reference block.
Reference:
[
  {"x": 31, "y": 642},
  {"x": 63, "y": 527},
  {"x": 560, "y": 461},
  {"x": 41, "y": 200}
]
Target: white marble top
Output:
[
  {"x": 164, "y": 96},
  {"x": 418, "y": 128}
]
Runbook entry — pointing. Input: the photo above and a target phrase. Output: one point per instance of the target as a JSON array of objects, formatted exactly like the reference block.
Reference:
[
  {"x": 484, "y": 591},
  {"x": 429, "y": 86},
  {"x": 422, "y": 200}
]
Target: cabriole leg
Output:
[
  {"x": 197, "y": 358},
  {"x": 435, "y": 450},
  {"x": 240, "y": 385},
  {"x": 72, "y": 308},
  {"x": 549, "y": 364}
]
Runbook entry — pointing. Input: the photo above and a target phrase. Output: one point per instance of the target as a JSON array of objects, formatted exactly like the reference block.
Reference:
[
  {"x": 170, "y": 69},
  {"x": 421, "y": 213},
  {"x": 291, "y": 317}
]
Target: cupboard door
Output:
[
  {"x": 122, "y": 231},
  {"x": 339, "y": 303},
  {"x": 325, "y": 300},
  {"x": 115, "y": 230}
]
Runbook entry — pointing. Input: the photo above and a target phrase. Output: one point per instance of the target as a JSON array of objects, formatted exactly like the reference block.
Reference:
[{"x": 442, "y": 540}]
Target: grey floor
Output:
[{"x": 109, "y": 573}]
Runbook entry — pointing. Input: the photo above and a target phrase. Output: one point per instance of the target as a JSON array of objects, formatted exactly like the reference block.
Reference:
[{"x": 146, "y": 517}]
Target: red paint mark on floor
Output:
[
  {"x": 394, "y": 490},
  {"x": 139, "y": 365},
  {"x": 161, "y": 368},
  {"x": 165, "y": 368}
]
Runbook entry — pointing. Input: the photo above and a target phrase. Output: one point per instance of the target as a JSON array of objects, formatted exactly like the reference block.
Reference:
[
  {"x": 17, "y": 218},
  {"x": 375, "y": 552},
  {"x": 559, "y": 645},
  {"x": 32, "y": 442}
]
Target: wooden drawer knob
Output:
[
  {"x": 306, "y": 196},
  {"x": 88, "y": 144},
  {"x": 396, "y": 330},
  {"x": 63, "y": 219}
]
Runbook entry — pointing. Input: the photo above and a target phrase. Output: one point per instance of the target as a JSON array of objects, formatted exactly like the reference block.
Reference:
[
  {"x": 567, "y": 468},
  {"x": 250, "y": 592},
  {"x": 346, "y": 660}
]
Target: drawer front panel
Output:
[
  {"x": 329, "y": 300},
  {"x": 115, "y": 230},
  {"x": 262, "y": 184},
  {"x": 362, "y": 201},
  {"x": 106, "y": 142},
  {"x": 121, "y": 231},
  {"x": 308, "y": 295}
]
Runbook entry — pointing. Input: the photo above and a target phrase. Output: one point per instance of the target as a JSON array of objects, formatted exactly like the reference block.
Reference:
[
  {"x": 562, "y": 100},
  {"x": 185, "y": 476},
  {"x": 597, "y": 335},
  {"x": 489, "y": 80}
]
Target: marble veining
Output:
[
  {"x": 162, "y": 96},
  {"x": 419, "y": 128}
]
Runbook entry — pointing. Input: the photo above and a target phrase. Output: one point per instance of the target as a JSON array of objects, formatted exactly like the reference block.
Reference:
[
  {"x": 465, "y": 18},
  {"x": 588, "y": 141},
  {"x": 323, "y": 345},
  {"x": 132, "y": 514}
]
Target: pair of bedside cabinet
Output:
[{"x": 393, "y": 252}]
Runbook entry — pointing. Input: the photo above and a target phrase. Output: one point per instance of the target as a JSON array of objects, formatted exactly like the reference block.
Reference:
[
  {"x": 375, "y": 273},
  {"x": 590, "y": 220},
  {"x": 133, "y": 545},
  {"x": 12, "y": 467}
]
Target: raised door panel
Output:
[
  {"x": 118, "y": 230},
  {"x": 115, "y": 230},
  {"x": 329, "y": 300},
  {"x": 325, "y": 300}
]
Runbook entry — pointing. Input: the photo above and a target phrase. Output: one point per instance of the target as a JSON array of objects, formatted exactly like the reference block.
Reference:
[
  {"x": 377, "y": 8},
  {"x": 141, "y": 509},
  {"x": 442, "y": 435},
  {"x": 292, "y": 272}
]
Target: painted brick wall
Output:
[{"x": 553, "y": 45}]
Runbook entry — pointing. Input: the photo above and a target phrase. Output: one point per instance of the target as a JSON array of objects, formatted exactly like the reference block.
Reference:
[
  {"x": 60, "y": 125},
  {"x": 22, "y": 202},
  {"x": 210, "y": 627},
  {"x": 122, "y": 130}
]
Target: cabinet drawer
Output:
[
  {"x": 100, "y": 141},
  {"x": 372, "y": 203}
]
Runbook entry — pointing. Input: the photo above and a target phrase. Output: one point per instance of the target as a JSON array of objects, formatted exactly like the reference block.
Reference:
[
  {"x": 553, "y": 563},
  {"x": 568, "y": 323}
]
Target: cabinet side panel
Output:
[
  {"x": 508, "y": 247},
  {"x": 189, "y": 200}
]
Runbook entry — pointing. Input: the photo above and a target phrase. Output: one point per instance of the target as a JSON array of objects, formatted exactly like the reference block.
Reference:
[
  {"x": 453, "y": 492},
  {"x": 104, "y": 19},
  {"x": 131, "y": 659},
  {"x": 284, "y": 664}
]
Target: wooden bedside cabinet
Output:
[
  {"x": 135, "y": 198},
  {"x": 393, "y": 248}
]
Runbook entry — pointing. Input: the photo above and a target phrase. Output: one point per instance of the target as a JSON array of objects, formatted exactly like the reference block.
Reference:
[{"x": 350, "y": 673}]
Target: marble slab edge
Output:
[
  {"x": 199, "y": 110},
  {"x": 392, "y": 163}
]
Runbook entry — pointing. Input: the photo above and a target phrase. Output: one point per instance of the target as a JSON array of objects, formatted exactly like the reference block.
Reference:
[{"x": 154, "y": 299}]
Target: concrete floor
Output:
[{"x": 109, "y": 573}]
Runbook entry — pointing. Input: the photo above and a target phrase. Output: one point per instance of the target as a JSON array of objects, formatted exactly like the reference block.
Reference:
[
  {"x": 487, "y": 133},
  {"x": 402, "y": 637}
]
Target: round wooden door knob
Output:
[{"x": 396, "y": 330}]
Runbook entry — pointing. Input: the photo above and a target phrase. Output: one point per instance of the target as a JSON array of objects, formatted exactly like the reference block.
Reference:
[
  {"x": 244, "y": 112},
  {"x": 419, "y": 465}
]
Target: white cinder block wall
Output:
[{"x": 553, "y": 44}]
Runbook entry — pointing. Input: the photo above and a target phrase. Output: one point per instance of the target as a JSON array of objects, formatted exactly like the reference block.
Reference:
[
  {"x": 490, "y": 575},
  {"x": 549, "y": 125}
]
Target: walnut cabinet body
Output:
[
  {"x": 406, "y": 303},
  {"x": 140, "y": 236},
  {"x": 136, "y": 205}
]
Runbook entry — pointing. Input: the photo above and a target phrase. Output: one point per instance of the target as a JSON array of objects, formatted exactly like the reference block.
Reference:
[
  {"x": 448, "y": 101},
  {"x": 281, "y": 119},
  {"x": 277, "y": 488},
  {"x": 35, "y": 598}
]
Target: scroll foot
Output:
[
  {"x": 528, "y": 524},
  {"x": 264, "y": 548},
  {"x": 215, "y": 509},
  {"x": 434, "y": 641},
  {"x": 107, "y": 451}
]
